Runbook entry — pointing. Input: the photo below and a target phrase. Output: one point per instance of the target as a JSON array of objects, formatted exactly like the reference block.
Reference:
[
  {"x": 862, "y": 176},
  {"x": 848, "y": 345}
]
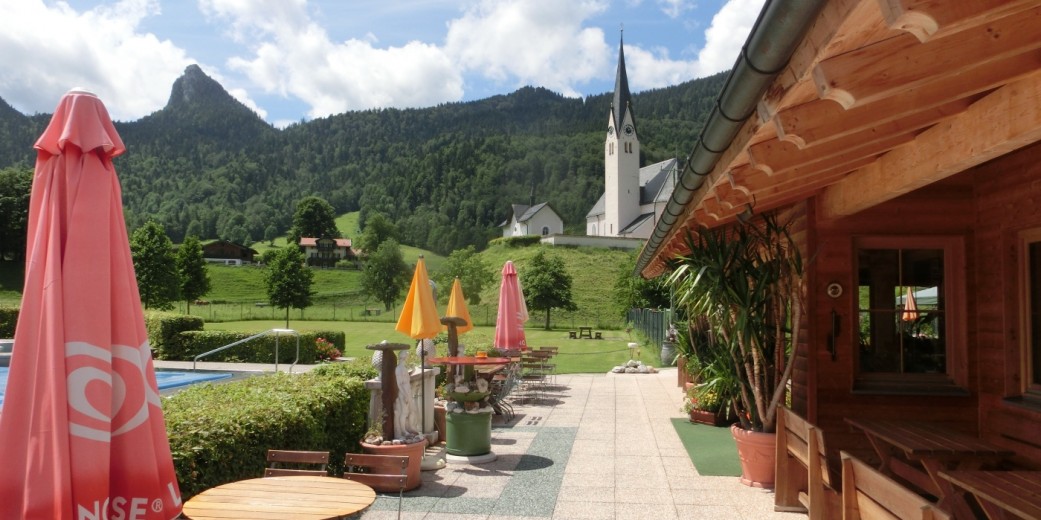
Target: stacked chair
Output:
[{"x": 278, "y": 459}]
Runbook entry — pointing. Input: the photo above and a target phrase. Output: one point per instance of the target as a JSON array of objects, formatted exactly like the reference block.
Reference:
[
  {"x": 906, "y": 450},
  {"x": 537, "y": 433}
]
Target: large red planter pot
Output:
[
  {"x": 757, "y": 454},
  {"x": 414, "y": 452}
]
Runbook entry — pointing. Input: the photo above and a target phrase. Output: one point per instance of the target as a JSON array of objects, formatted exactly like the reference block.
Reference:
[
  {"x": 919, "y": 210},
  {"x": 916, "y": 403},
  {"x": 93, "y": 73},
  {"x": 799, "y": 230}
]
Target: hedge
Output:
[
  {"x": 261, "y": 350},
  {"x": 220, "y": 433},
  {"x": 8, "y": 319},
  {"x": 164, "y": 329}
]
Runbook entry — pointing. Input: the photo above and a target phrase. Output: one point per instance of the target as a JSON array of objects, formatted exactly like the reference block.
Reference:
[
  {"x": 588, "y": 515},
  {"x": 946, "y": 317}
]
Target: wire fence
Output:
[
  {"x": 481, "y": 314},
  {"x": 651, "y": 322}
]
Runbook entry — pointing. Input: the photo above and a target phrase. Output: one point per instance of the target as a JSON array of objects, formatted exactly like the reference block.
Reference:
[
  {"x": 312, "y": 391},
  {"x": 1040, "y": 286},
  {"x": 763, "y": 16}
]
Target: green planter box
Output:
[{"x": 468, "y": 433}]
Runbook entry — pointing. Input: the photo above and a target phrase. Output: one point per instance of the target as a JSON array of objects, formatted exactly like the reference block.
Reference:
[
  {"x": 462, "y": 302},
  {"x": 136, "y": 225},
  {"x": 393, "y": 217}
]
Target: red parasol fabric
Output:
[
  {"x": 513, "y": 312},
  {"x": 910, "y": 307},
  {"x": 82, "y": 429}
]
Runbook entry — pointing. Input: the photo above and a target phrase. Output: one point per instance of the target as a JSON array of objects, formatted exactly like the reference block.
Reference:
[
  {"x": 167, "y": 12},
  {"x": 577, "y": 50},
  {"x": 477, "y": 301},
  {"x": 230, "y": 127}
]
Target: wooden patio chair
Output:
[
  {"x": 868, "y": 494},
  {"x": 805, "y": 481},
  {"x": 383, "y": 473},
  {"x": 277, "y": 459}
]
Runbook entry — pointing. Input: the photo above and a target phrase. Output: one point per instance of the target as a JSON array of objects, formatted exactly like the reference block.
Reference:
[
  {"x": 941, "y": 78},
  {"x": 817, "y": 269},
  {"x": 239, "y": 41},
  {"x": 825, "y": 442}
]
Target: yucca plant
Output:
[{"x": 746, "y": 281}]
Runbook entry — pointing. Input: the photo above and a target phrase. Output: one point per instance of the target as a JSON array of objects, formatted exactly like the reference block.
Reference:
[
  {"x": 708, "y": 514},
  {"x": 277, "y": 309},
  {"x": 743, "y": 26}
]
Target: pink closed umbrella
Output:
[
  {"x": 513, "y": 312},
  {"x": 82, "y": 432}
]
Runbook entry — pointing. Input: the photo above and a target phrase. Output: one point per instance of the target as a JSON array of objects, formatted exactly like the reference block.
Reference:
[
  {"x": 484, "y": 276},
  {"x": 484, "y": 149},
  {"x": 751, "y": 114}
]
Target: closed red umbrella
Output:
[
  {"x": 82, "y": 432},
  {"x": 513, "y": 312}
]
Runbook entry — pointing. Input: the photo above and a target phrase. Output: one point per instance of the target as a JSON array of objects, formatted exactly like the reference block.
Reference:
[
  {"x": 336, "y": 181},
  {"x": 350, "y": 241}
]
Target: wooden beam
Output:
[
  {"x": 1007, "y": 119},
  {"x": 927, "y": 18},
  {"x": 896, "y": 64},
  {"x": 820, "y": 121},
  {"x": 775, "y": 156}
]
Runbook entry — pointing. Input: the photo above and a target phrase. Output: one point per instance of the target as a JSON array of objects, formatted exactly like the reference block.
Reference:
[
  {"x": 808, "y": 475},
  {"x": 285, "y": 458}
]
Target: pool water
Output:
[{"x": 166, "y": 379}]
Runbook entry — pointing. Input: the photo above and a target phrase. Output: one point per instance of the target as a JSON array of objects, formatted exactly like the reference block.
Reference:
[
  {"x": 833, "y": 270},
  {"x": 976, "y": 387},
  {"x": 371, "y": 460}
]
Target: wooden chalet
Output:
[
  {"x": 229, "y": 253},
  {"x": 902, "y": 135}
]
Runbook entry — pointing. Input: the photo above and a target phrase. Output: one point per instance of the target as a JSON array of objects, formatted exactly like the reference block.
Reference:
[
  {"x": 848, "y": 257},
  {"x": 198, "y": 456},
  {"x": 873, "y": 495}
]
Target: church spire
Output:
[{"x": 622, "y": 98}]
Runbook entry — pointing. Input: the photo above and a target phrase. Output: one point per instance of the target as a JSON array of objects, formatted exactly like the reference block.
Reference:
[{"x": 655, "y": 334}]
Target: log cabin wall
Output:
[
  {"x": 1008, "y": 200},
  {"x": 944, "y": 208},
  {"x": 802, "y": 382}
]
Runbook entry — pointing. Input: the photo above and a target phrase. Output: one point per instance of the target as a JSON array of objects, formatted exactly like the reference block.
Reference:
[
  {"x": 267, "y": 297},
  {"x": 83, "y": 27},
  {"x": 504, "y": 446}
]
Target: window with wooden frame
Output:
[
  {"x": 1030, "y": 303},
  {"x": 910, "y": 315}
]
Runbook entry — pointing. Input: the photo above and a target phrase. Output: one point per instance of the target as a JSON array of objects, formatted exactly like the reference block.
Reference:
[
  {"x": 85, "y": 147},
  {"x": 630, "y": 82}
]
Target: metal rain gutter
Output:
[{"x": 776, "y": 34}]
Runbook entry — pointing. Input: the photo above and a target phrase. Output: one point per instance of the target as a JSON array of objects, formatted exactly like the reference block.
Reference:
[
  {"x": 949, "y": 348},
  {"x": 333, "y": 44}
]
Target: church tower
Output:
[{"x": 621, "y": 158}]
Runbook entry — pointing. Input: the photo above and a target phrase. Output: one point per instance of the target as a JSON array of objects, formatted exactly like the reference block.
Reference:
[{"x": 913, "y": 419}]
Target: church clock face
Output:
[
  {"x": 629, "y": 129},
  {"x": 610, "y": 130}
]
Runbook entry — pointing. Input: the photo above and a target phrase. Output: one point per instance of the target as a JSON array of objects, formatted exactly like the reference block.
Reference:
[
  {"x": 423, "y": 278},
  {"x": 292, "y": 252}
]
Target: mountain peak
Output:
[{"x": 194, "y": 87}]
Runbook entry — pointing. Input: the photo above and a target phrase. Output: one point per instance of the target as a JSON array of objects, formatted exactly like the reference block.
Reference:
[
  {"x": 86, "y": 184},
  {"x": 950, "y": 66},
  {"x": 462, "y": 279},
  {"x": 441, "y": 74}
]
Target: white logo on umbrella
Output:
[{"x": 120, "y": 368}]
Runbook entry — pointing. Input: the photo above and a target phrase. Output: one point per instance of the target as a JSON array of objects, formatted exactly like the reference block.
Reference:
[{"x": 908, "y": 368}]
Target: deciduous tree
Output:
[
  {"x": 155, "y": 266},
  {"x": 386, "y": 274},
  {"x": 547, "y": 285},
  {"x": 473, "y": 273},
  {"x": 289, "y": 280},
  {"x": 191, "y": 266},
  {"x": 314, "y": 217},
  {"x": 377, "y": 230}
]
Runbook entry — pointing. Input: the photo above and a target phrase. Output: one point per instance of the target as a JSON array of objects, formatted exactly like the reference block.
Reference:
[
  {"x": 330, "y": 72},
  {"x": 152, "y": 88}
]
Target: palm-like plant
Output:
[{"x": 747, "y": 282}]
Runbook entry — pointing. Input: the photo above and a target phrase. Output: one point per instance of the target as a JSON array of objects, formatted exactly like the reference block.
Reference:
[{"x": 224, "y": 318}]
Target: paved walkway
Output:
[{"x": 599, "y": 447}]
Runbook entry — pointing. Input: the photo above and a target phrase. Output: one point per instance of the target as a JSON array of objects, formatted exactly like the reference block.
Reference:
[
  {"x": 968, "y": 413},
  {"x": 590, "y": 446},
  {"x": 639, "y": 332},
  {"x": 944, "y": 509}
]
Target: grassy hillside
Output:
[{"x": 239, "y": 292}]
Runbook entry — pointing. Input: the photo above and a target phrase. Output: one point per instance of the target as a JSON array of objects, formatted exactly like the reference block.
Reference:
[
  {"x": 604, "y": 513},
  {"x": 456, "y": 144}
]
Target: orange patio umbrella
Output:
[
  {"x": 418, "y": 319},
  {"x": 82, "y": 432},
  {"x": 457, "y": 309}
]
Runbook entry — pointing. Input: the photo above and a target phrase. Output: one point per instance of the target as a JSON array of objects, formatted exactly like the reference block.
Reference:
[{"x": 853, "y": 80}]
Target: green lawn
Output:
[{"x": 575, "y": 355}]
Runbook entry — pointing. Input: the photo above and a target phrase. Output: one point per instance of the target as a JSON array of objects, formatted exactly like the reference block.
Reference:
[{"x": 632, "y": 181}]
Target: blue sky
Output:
[{"x": 293, "y": 60}]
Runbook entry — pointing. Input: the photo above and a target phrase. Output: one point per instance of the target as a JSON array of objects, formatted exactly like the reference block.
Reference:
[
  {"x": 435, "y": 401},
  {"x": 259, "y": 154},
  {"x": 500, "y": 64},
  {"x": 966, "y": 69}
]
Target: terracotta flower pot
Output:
[
  {"x": 757, "y": 454},
  {"x": 414, "y": 452}
]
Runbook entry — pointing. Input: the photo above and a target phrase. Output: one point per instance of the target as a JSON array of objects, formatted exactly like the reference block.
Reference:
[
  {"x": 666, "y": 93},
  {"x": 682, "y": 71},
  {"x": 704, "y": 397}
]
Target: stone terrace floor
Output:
[{"x": 597, "y": 446}]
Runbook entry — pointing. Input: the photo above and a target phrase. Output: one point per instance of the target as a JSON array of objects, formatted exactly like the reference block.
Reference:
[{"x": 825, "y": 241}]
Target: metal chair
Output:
[
  {"x": 278, "y": 458},
  {"x": 380, "y": 472}
]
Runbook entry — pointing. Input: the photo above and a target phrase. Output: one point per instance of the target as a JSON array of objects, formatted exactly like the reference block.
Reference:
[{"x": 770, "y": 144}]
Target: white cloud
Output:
[
  {"x": 726, "y": 35},
  {"x": 49, "y": 49},
  {"x": 674, "y": 8},
  {"x": 293, "y": 56},
  {"x": 539, "y": 42},
  {"x": 655, "y": 69}
]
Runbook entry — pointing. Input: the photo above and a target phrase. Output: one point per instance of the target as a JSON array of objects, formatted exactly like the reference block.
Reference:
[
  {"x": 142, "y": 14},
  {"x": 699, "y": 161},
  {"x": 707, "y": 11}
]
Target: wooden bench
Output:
[
  {"x": 805, "y": 482},
  {"x": 869, "y": 494},
  {"x": 572, "y": 334},
  {"x": 598, "y": 335}
]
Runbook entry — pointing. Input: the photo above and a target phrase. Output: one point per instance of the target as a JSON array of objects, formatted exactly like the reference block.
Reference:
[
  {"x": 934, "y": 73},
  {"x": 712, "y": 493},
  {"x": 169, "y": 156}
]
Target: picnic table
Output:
[
  {"x": 998, "y": 492},
  {"x": 918, "y": 451},
  {"x": 585, "y": 332}
]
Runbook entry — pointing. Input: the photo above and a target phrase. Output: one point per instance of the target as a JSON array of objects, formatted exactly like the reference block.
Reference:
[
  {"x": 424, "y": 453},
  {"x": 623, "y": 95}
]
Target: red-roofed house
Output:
[{"x": 325, "y": 251}]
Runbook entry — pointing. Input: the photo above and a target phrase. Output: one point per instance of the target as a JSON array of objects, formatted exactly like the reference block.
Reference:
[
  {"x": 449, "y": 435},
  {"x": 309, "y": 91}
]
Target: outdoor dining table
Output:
[
  {"x": 998, "y": 492},
  {"x": 298, "y": 497},
  {"x": 918, "y": 451}
]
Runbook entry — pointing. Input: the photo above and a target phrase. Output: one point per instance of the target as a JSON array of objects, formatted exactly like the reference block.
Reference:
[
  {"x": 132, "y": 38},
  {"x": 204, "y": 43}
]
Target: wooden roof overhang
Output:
[{"x": 880, "y": 98}]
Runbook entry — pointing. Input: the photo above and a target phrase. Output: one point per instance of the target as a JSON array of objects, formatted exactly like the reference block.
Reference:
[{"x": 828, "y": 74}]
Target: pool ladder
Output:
[{"x": 276, "y": 332}]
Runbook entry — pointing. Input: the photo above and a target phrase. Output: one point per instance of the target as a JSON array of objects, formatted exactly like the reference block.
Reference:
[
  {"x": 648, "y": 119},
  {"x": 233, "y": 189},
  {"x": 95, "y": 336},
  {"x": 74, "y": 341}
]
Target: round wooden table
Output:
[{"x": 301, "y": 497}]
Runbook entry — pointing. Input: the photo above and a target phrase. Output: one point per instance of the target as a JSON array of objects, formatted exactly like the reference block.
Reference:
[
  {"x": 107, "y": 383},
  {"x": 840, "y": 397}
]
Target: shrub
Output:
[
  {"x": 8, "y": 320},
  {"x": 220, "y": 433},
  {"x": 164, "y": 330},
  {"x": 324, "y": 350},
  {"x": 259, "y": 350}
]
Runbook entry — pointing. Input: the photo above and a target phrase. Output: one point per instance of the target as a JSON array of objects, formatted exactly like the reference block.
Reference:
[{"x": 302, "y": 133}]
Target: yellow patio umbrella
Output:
[
  {"x": 457, "y": 307},
  {"x": 418, "y": 317}
]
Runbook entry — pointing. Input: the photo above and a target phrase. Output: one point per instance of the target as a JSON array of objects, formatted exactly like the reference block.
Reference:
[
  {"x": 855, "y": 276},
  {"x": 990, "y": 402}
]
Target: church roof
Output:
[
  {"x": 622, "y": 97},
  {"x": 656, "y": 182}
]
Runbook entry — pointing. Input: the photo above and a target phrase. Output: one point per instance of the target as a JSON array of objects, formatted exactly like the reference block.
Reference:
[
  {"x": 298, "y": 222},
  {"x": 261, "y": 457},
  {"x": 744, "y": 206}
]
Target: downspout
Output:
[{"x": 773, "y": 39}]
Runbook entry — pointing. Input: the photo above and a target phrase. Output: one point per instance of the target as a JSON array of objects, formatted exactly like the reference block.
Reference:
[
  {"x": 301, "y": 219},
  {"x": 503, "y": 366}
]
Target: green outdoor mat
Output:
[{"x": 711, "y": 448}]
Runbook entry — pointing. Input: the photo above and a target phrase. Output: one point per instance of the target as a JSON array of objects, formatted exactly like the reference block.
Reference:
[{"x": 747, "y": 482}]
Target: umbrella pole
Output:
[{"x": 423, "y": 385}]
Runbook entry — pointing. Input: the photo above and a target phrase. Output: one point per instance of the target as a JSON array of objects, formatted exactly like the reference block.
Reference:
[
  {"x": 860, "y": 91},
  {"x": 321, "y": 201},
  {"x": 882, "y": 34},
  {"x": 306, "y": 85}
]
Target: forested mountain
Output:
[{"x": 208, "y": 165}]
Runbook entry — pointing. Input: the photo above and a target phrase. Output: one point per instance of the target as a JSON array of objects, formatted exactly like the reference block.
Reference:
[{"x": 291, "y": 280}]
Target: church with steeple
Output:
[{"x": 633, "y": 197}]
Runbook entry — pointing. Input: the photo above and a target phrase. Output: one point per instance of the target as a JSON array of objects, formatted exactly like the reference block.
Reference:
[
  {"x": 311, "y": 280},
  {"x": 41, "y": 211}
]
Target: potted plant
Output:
[
  {"x": 704, "y": 406},
  {"x": 746, "y": 281}
]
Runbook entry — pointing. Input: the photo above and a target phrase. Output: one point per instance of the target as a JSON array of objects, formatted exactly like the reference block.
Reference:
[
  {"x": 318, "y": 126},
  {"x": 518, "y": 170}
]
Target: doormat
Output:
[{"x": 711, "y": 448}]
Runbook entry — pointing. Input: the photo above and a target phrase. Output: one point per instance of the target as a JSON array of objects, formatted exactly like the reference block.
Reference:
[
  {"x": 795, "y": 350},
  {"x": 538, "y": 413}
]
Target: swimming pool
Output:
[{"x": 166, "y": 379}]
